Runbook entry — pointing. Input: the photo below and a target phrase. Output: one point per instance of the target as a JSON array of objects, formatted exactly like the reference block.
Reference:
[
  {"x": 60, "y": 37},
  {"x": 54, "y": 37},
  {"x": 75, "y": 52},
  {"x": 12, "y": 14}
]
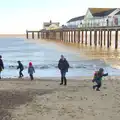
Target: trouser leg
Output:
[
  {"x": 20, "y": 73},
  {"x": 94, "y": 86},
  {"x": 98, "y": 86},
  {"x": 61, "y": 78},
  {"x": 65, "y": 81},
  {"x": 0, "y": 74},
  {"x": 64, "y": 78},
  {"x": 31, "y": 76}
]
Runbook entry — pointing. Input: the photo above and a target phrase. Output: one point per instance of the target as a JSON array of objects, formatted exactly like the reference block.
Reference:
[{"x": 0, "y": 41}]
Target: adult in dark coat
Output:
[
  {"x": 20, "y": 66},
  {"x": 63, "y": 65},
  {"x": 1, "y": 65}
]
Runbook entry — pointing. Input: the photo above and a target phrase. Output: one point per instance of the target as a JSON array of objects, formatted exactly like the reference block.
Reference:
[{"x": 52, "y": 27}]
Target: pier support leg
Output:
[
  {"x": 62, "y": 36},
  {"x": 110, "y": 37},
  {"x": 95, "y": 38},
  {"x": 27, "y": 34},
  {"x": 38, "y": 35},
  {"x": 74, "y": 36},
  {"x": 86, "y": 37},
  {"x": 82, "y": 36},
  {"x": 104, "y": 38},
  {"x": 116, "y": 39},
  {"x": 69, "y": 36},
  {"x": 101, "y": 38},
  {"x": 108, "y": 40},
  {"x": 32, "y": 35},
  {"x": 90, "y": 37},
  {"x": 55, "y": 35},
  {"x": 78, "y": 36}
]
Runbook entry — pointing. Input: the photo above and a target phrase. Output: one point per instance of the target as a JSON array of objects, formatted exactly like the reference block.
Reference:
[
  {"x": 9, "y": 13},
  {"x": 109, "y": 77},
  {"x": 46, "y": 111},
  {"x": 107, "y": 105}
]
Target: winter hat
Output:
[
  {"x": 30, "y": 63},
  {"x": 101, "y": 70},
  {"x": 0, "y": 56}
]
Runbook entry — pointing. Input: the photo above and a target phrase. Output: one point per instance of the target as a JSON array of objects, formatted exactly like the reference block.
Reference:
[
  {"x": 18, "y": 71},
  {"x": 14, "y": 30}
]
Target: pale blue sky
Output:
[{"x": 18, "y": 15}]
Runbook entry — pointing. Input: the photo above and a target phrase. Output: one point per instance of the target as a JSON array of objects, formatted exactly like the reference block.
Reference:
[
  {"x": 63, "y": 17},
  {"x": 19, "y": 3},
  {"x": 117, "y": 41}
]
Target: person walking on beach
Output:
[
  {"x": 1, "y": 65},
  {"x": 20, "y": 66},
  {"x": 31, "y": 70},
  {"x": 63, "y": 65},
  {"x": 98, "y": 78}
]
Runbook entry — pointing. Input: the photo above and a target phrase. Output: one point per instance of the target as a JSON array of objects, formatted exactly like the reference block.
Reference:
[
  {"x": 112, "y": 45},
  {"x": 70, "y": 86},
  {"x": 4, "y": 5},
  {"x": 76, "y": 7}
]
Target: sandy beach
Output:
[{"x": 45, "y": 99}]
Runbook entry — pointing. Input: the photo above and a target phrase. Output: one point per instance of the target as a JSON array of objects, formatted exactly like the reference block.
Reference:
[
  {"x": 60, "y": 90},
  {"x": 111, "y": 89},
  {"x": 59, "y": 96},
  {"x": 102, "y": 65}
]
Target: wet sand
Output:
[{"x": 46, "y": 100}]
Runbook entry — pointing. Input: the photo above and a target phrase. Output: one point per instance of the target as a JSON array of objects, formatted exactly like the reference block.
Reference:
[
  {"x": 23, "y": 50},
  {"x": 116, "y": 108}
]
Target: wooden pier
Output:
[
  {"x": 33, "y": 34},
  {"x": 97, "y": 35}
]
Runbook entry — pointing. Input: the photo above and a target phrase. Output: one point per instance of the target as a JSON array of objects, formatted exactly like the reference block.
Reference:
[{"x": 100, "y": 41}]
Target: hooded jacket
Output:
[
  {"x": 1, "y": 65},
  {"x": 63, "y": 65},
  {"x": 31, "y": 69},
  {"x": 98, "y": 76},
  {"x": 20, "y": 66}
]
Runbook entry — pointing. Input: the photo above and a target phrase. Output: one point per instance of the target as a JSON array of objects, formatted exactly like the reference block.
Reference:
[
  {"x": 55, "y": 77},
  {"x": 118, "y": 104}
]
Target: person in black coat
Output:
[
  {"x": 63, "y": 65},
  {"x": 1, "y": 65},
  {"x": 20, "y": 66}
]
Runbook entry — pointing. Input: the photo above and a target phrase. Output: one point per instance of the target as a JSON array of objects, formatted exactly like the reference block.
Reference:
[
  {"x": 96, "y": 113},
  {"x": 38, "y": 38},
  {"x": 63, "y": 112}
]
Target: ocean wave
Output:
[
  {"x": 46, "y": 64},
  {"x": 55, "y": 66}
]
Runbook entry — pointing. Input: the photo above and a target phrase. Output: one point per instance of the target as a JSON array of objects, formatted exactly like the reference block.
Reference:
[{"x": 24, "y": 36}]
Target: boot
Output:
[
  {"x": 65, "y": 81},
  {"x": 61, "y": 81},
  {"x": 97, "y": 89},
  {"x": 93, "y": 87}
]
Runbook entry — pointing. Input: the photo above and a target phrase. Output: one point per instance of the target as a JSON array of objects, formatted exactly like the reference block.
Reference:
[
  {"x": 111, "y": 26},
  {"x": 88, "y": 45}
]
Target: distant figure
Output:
[
  {"x": 20, "y": 66},
  {"x": 98, "y": 78},
  {"x": 1, "y": 65},
  {"x": 31, "y": 70},
  {"x": 63, "y": 65},
  {"x": 107, "y": 22}
]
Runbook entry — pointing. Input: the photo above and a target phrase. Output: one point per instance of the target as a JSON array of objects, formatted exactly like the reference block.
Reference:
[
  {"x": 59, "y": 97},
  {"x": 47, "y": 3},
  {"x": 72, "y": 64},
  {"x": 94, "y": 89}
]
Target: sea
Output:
[{"x": 45, "y": 54}]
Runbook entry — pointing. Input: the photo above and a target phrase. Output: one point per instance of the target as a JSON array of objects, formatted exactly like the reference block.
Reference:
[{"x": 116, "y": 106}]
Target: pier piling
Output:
[
  {"x": 90, "y": 37},
  {"x": 32, "y": 35},
  {"x": 108, "y": 40},
  {"x": 104, "y": 37},
  {"x": 101, "y": 38},
  {"x": 116, "y": 39},
  {"x": 74, "y": 37},
  {"x": 86, "y": 37},
  {"x": 82, "y": 36},
  {"x": 110, "y": 36}
]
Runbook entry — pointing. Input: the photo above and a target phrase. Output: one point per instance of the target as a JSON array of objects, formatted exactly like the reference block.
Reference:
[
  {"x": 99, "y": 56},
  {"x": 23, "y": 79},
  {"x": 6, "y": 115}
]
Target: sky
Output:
[{"x": 17, "y": 16}]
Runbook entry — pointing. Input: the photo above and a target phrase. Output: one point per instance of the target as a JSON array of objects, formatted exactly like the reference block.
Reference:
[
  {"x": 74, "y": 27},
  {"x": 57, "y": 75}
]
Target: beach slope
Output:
[{"x": 47, "y": 100}]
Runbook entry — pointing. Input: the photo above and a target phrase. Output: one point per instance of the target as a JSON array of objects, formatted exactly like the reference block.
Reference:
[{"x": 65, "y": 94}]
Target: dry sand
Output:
[{"x": 47, "y": 100}]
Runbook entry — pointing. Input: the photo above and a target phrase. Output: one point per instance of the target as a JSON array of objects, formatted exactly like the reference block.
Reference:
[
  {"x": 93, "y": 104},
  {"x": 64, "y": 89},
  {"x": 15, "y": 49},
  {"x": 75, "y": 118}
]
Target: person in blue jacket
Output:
[{"x": 63, "y": 65}]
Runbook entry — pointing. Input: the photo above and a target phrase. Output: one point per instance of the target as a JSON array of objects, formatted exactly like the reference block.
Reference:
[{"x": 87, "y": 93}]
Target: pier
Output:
[
  {"x": 33, "y": 34},
  {"x": 98, "y": 36}
]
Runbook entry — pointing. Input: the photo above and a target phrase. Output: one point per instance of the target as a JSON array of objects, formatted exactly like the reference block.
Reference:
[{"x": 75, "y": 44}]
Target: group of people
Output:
[
  {"x": 31, "y": 70},
  {"x": 63, "y": 66}
]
